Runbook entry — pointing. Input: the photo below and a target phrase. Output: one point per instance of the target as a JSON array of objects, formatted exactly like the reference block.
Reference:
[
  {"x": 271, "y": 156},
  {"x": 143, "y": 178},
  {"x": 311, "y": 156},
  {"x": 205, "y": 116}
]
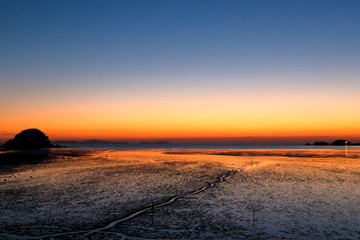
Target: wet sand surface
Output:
[{"x": 172, "y": 194}]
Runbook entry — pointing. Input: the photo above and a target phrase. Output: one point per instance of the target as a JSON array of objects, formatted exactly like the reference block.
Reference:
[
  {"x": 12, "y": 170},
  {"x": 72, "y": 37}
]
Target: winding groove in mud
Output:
[{"x": 85, "y": 233}]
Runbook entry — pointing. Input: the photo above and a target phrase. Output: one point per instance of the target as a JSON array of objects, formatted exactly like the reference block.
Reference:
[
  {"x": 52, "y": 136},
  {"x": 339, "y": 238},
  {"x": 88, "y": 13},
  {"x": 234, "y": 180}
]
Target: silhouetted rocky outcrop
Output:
[
  {"x": 29, "y": 139},
  {"x": 340, "y": 142}
]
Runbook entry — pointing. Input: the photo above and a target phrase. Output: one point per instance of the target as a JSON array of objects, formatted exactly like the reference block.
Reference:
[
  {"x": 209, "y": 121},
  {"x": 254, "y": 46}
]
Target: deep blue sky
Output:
[
  {"x": 71, "y": 50},
  {"x": 122, "y": 38}
]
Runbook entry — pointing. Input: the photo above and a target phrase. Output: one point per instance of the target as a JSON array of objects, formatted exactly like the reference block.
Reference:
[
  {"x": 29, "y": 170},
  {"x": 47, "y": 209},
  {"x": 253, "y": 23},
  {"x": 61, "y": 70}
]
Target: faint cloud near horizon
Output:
[{"x": 6, "y": 133}]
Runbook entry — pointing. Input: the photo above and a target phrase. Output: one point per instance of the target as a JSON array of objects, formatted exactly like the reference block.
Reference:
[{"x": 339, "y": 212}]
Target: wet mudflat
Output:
[{"x": 164, "y": 194}]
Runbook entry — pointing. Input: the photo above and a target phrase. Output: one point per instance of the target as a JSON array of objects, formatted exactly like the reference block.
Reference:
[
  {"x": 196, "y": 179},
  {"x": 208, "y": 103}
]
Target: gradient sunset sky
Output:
[{"x": 180, "y": 69}]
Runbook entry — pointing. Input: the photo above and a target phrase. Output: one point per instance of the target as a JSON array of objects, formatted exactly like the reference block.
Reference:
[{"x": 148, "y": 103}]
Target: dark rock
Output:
[
  {"x": 340, "y": 142},
  {"x": 29, "y": 139},
  {"x": 321, "y": 143}
]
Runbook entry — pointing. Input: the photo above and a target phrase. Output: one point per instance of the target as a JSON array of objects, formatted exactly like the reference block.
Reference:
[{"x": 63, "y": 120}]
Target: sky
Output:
[{"x": 180, "y": 69}]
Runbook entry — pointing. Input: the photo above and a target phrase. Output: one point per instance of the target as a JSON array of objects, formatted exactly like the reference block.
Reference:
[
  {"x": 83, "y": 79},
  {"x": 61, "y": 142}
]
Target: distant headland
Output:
[
  {"x": 89, "y": 142},
  {"x": 157, "y": 142},
  {"x": 103, "y": 142}
]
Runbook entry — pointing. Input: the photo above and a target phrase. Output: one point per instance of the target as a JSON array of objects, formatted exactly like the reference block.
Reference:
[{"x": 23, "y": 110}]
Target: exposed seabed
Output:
[{"x": 192, "y": 194}]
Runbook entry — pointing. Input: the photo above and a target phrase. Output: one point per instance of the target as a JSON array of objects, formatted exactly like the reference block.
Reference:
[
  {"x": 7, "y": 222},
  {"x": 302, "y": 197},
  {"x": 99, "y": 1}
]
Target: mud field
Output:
[{"x": 174, "y": 194}]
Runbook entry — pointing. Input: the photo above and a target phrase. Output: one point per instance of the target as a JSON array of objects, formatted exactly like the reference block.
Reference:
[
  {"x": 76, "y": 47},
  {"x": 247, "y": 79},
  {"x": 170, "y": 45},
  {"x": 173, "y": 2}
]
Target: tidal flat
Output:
[{"x": 180, "y": 194}]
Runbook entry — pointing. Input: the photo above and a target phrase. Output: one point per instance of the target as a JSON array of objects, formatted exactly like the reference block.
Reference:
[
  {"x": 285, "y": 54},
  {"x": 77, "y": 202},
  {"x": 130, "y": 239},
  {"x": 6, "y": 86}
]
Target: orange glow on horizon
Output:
[{"x": 204, "y": 116}]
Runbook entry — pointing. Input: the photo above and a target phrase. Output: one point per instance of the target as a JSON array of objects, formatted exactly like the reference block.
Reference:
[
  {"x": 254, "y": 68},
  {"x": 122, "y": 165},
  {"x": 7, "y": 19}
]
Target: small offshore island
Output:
[
  {"x": 31, "y": 138},
  {"x": 339, "y": 142}
]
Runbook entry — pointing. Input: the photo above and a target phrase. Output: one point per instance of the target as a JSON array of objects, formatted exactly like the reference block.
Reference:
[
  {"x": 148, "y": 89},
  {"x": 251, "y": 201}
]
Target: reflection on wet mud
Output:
[
  {"x": 313, "y": 153},
  {"x": 9, "y": 159},
  {"x": 21, "y": 157}
]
